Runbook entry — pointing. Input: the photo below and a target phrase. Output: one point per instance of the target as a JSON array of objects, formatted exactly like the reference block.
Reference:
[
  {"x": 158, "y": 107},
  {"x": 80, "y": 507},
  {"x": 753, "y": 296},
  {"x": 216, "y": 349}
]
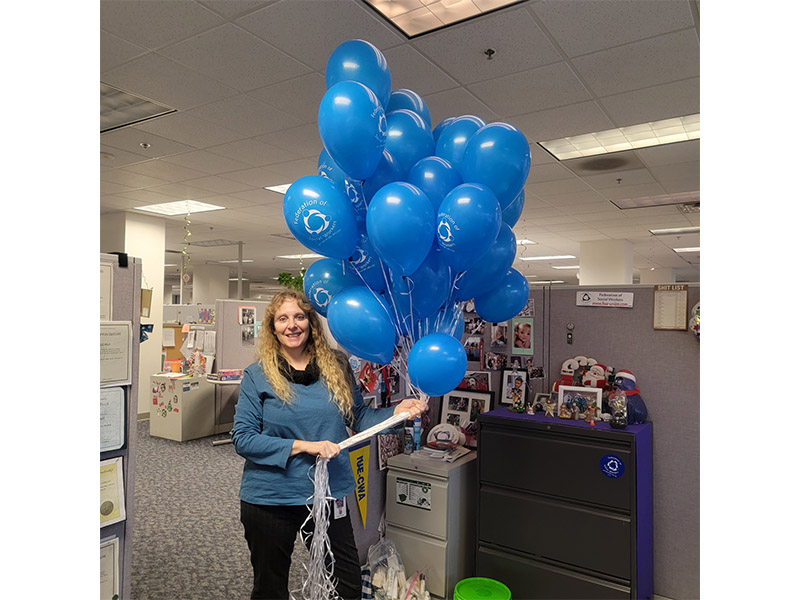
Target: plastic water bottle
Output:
[{"x": 417, "y": 427}]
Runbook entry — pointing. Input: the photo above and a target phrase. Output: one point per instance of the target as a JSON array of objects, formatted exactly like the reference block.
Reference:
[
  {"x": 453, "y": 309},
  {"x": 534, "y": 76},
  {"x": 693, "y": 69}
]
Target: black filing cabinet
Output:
[{"x": 564, "y": 507}]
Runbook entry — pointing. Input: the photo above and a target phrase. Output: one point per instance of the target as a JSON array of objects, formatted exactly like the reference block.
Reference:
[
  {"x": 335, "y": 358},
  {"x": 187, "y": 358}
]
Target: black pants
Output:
[{"x": 271, "y": 532}]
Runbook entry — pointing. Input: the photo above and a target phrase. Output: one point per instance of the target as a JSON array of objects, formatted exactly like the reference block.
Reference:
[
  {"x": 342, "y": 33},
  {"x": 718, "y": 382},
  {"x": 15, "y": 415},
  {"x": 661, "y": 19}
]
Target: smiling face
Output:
[{"x": 291, "y": 325}]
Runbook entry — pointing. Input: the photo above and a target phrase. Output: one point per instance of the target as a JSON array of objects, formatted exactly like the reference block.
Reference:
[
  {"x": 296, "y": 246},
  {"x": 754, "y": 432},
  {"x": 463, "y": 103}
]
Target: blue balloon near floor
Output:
[
  {"x": 409, "y": 100},
  {"x": 352, "y": 126},
  {"x": 320, "y": 216},
  {"x": 323, "y": 279},
  {"x": 499, "y": 157},
  {"x": 360, "y": 323},
  {"x": 504, "y": 301},
  {"x": 361, "y": 61},
  {"x": 437, "y": 363}
]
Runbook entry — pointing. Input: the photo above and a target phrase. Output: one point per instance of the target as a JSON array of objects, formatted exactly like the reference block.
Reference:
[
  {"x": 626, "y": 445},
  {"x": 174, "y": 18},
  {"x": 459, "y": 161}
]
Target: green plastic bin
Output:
[{"x": 481, "y": 588}]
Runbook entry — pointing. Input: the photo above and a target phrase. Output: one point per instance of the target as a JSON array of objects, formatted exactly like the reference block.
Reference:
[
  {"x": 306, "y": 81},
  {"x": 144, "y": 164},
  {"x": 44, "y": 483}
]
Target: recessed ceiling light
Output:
[
  {"x": 660, "y": 200},
  {"x": 298, "y": 256},
  {"x": 675, "y": 231},
  {"x": 694, "y": 249},
  {"x": 179, "y": 207},
  {"x": 525, "y": 242},
  {"x": 644, "y": 135},
  {"x": 554, "y": 257},
  {"x": 281, "y": 189},
  {"x": 567, "y": 267},
  {"x": 416, "y": 18}
]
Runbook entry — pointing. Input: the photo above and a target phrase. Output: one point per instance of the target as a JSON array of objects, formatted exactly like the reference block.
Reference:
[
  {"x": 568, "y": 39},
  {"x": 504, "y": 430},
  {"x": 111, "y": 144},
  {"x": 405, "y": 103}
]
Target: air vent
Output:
[
  {"x": 693, "y": 207},
  {"x": 608, "y": 163},
  {"x": 120, "y": 109}
]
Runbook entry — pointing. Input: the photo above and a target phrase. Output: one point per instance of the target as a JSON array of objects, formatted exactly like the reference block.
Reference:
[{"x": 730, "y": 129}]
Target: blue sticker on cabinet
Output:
[{"x": 612, "y": 466}]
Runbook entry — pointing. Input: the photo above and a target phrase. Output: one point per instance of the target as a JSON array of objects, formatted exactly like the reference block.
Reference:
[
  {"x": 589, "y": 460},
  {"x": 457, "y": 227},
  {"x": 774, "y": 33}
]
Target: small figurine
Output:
[
  {"x": 549, "y": 407},
  {"x": 515, "y": 393},
  {"x": 591, "y": 415},
  {"x": 565, "y": 411},
  {"x": 617, "y": 403},
  {"x": 531, "y": 408}
]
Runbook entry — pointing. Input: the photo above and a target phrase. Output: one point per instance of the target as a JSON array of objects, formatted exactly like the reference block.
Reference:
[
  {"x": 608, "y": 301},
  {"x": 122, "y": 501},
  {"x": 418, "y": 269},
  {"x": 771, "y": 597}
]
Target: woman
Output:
[{"x": 294, "y": 403}]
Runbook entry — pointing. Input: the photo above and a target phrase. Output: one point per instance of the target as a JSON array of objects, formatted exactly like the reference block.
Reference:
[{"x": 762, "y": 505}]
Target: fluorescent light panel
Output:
[
  {"x": 180, "y": 207},
  {"x": 568, "y": 267},
  {"x": 693, "y": 249},
  {"x": 644, "y": 135},
  {"x": 234, "y": 260},
  {"x": 675, "y": 231},
  {"x": 299, "y": 256},
  {"x": 525, "y": 242},
  {"x": 660, "y": 200},
  {"x": 280, "y": 189},
  {"x": 119, "y": 108},
  {"x": 217, "y": 242},
  {"x": 555, "y": 257},
  {"x": 415, "y": 17},
  {"x": 545, "y": 281}
]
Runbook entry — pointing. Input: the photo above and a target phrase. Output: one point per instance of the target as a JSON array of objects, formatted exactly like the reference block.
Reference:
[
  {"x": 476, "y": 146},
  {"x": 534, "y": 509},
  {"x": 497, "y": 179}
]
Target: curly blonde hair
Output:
[{"x": 333, "y": 366}]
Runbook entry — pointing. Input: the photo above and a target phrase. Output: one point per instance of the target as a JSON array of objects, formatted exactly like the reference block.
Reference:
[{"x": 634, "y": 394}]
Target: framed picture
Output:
[
  {"x": 494, "y": 361},
  {"x": 474, "y": 348},
  {"x": 477, "y": 381},
  {"x": 515, "y": 388},
  {"x": 539, "y": 401},
  {"x": 371, "y": 401},
  {"x": 573, "y": 401},
  {"x": 461, "y": 408},
  {"x": 522, "y": 335},
  {"x": 499, "y": 341}
]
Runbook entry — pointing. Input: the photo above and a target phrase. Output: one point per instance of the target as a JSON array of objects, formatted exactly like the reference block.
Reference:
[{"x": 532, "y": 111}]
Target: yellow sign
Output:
[{"x": 359, "y": 462}]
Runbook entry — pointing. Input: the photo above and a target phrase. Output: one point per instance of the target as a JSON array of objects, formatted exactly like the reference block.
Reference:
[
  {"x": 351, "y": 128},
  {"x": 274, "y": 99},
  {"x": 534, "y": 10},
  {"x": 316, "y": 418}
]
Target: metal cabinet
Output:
[
  {"x": 564, "y": 507},
  {"x": 430, "y": 517}
]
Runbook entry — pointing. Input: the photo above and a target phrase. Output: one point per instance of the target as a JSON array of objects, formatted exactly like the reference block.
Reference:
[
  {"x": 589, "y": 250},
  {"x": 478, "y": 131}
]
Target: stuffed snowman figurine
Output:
[{"x": 637, "y": 410}]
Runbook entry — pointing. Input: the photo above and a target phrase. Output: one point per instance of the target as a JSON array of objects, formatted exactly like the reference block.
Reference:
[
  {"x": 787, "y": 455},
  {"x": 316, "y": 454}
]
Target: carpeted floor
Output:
[{"x": 188, "y": 542}]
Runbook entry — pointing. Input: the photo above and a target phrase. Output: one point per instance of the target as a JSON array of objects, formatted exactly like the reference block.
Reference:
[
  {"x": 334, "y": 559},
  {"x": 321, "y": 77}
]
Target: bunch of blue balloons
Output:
[{"x": 413, "y": 221}]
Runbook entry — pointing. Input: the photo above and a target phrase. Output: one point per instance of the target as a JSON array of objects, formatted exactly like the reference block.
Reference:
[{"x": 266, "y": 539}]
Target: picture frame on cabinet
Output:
[
  {"x": 461, "y": 408},
  {"x": 573, "y": 401},
  {"x": 514, "y": 388},
  {"x": 539, "y": 401}
]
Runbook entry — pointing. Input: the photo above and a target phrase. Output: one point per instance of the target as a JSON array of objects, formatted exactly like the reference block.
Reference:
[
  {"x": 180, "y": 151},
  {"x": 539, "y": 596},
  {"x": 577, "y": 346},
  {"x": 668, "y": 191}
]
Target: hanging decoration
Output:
[
  {"x": 694, "y": 321},
  {"x": 186, "y": 243}
]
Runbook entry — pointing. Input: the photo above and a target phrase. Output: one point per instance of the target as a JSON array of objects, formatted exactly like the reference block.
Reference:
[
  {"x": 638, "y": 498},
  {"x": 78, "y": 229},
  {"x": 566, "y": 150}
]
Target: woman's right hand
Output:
[{"x": 325, "y": 448}]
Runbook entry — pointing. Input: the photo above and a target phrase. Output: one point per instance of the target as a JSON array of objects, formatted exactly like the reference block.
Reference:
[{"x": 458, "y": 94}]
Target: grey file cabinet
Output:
[
  {"x": 565, "y": 509},
  {"x": 430, "y": 517}
]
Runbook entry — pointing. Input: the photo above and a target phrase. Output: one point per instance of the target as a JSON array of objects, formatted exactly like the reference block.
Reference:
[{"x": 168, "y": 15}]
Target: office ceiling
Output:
[{"x": 245, "y": 78}]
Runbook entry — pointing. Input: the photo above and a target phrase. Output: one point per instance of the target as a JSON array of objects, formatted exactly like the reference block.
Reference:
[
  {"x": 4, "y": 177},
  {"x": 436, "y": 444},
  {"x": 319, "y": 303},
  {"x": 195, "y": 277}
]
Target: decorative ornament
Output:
[
  {"x": 694, "y": 322},
  {"x": 186, "y": 243}
]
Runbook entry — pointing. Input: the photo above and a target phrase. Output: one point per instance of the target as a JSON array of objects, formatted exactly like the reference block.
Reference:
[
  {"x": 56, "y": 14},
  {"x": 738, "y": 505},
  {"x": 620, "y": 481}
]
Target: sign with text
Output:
[{"x": 605, "y": 299}]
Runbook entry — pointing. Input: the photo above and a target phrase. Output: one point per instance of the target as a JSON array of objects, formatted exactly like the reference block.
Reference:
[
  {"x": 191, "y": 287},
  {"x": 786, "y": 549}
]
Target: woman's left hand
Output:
[{"x": 413, "y": 406}]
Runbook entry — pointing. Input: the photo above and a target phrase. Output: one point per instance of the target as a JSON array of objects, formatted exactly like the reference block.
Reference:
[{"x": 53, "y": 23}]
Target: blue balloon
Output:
[
  {"x": 467, "y": 224},
  {"x": 366, "y": 266},
  {"x": 504, "y": 301},
  {"x": 358, "y": 60},
  {"x": 400, "y": 225},
  {"x": 320, "y": 216},
  {"x": 323, "y": 279},
  {"x": 453, "y": 139},
  {"x": 499, "y": 157},
  {"x": 360, "y": 322},
  {"x": 327, "y": 167},
  {"x": 437, "y": 364},
  {"x": 438, "y": 129},
  {"x": 408, "y": 138},
  {"x": 434, "y": 176},
  {"x": 513, "y": 211},
  {"x": 490, "y": 268},
  {"x": 425, "y": 290},
  {"x": 409, "y": 100},
  {"x": 352, "y": 126},
  {"x": 449, "y": 321},
  {"x": 387, "y": 171}
]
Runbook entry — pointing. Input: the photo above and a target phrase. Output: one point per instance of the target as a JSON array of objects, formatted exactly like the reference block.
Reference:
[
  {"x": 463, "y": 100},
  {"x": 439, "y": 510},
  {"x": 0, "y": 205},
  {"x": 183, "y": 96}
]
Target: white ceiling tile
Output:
[
  {"x": 115, "y": 51},
  {"x": 650, "y": 62},
  {"x": 298, "y": 97},
  {"x": 670, "y": 153},
  {"x": 413, "y": 71},
  {"x": 217, "y": 185},
  {"x": 130, "y": 139},
  {"x": 147, "y": 196},
  {"x": 674, "y": 99},
  {"x": 235, "y": 57},
  {"x": 181, "y": 191},
  {"x": 527, "y": 91},
  {"x": 294, "y": 169},
  {"x": 121, "y": 158},
  {"x": 547, "y": 172},
  {"x": 626, "y": 192},
  {"x": 253, "y": 153},
  {"x": 107, "y": 188},
  {"x": 245, "y": 115},
  {"x": 206, "y": 162},
  {"x": 677, "y": 178},
  {"x": 258, "y": 177},
  {"x": 166, "y": 82},
  {"x": 562, "y": 121},
  {"x": 303, "y": 141},
  {"x": 558, "y": 186},
  {"x": 155, "y": 24},
  {"x": 234, "y": 8},
  {"x": 310, "y": 31},
  {"x": 456, "y": 103},
  {"x": 518, "y": 42},
  {"x": 628, "y": 178},
  {"x": 584, "y": 26},
  {"x": 189, "y": 130},
  {"x": 162, "y": 169},
  {"x": 131, "y": 179}
]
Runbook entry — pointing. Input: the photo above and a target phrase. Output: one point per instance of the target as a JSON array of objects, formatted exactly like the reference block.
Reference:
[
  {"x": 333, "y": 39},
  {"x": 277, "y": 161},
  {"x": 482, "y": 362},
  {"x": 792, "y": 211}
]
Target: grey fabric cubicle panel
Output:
[{"x": 666, "y": 365}]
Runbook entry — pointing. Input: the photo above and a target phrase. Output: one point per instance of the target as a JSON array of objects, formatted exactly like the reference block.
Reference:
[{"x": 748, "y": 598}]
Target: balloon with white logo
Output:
[{"x": 323, "y": 279}]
